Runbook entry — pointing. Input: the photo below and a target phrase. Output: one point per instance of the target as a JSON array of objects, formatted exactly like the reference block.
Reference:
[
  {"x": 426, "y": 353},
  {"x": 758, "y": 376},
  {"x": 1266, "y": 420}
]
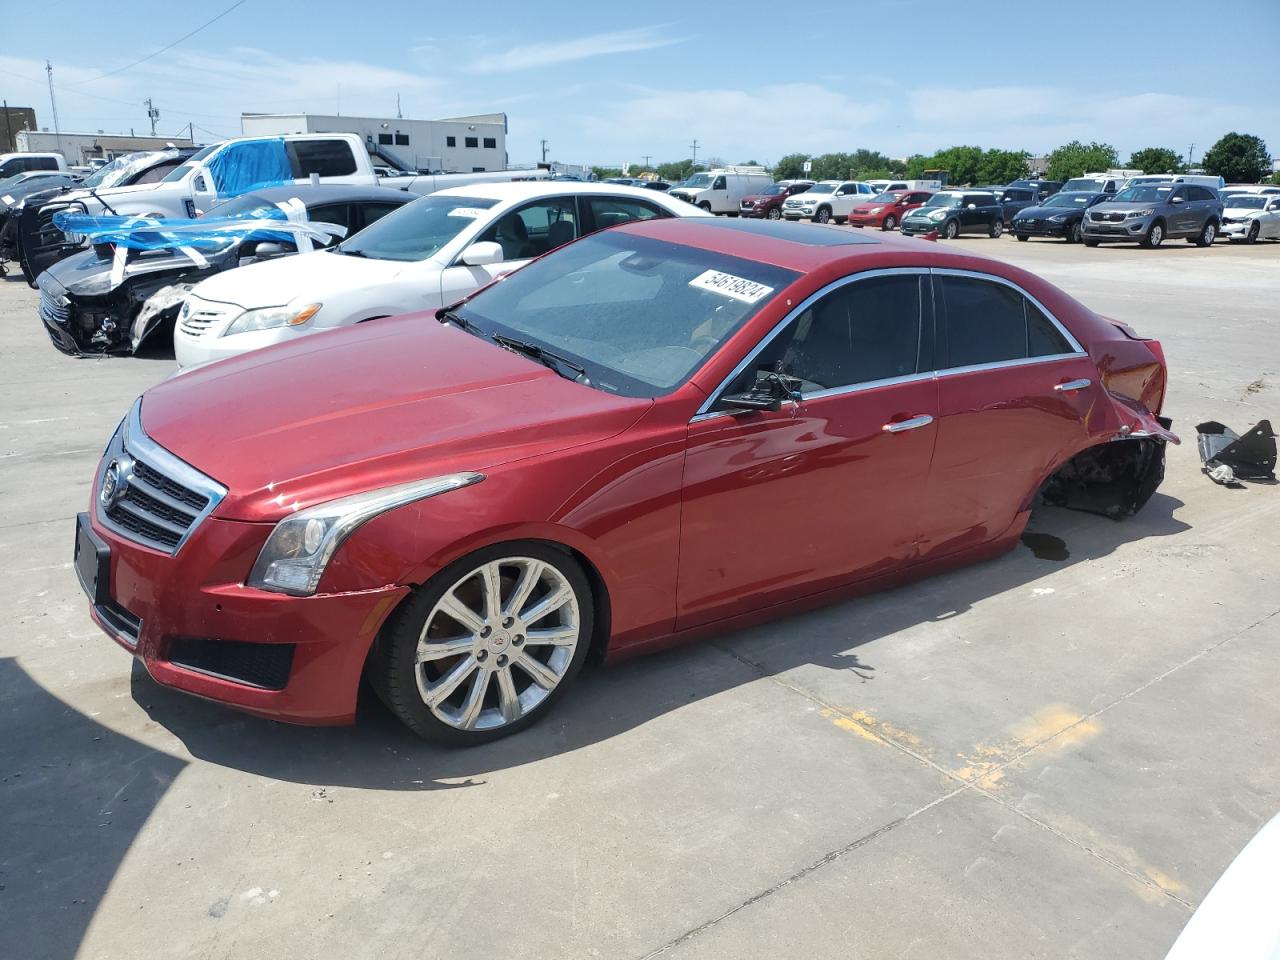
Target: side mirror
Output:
[
  {"x": 1177, "y": 200},
  {"x": 839, "y": 193},
  {"x": 485, "y": 251},
  {"x": 767, "y": 393},
  {"x": 266, "y": 250},
  {"x": 972, "y": 206}
]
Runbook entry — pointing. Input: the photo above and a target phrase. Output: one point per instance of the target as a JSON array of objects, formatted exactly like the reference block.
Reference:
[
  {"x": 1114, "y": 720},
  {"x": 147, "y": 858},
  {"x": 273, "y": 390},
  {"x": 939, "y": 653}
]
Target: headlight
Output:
[
  {"x": 294, "y": 557},
  {"x": 1058, "y": 219},
  {"x": 876, "y": 209},
  {"x": 1140, "y": 213},
  {"x": 268, "y": 318},
  {"x": 938, "y": 215}
]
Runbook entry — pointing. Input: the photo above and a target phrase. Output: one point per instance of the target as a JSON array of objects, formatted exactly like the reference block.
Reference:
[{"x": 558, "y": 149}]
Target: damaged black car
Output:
[{"x": 110, "y": 298}]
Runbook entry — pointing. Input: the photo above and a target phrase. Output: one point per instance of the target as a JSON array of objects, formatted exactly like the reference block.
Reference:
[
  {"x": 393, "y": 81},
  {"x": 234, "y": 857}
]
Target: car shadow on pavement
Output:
[
  {"x": 378, "y": 753},
  {"x": 74, "y": 796}
]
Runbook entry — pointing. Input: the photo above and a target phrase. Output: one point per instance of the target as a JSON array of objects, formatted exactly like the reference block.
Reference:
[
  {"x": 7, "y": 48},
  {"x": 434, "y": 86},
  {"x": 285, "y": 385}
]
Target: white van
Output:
[
  {"x": 883, "y": 186},
  {"x": 12, "y": 164},
  {"x": 722, "y": 190},
  {"x": 1213, "y": 183}
]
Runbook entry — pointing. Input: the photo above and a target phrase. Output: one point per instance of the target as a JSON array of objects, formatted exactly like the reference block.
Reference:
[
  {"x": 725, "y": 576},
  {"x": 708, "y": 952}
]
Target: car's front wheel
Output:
[
  {"x": 1076, "y": 233},
  {"x": 486, "y": 646},
  {"x": 1022, "y": 237},
  {"x": 823, "y": 215},
  {"x": 890, "y": 223},
  {"x": 1155, "y": 236},
  {"x": 705, "y": 205},
  {"x": 774, "y": 213},
  {"x": 1253, "y": 233}
]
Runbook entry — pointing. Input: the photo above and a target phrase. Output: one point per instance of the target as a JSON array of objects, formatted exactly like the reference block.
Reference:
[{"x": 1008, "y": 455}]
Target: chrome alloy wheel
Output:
[{"x": 497, "y": 643}]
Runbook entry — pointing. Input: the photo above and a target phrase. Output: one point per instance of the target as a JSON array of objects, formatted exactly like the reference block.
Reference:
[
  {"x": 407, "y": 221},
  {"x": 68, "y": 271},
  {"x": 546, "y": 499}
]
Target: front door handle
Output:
[
  {"x": 1071, "y": 386},
  {"x": 915, "y": 423}
]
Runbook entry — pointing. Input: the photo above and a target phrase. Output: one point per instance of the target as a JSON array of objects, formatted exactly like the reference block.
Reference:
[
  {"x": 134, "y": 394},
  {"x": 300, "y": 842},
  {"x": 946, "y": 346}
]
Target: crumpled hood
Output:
[
  {"x": 367, "y": 406},
  {"x": 112, "y": 194},
  {"x": 85, "y": 274},
  {"x": 275, "y": 283}
]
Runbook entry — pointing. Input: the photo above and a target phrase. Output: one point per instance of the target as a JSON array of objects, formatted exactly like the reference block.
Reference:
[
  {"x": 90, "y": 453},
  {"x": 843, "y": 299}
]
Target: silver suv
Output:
[{"x": 1151, "y": 213}]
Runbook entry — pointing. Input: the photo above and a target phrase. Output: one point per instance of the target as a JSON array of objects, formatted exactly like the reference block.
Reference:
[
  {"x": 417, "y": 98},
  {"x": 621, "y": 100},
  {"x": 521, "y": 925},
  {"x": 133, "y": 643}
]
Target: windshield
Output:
[
  {"x": 698, "y": 180},
  {"x": 943, "y": 200},
  {"x": 886, "y": 197},
  {"x": 1082, "y": 183},
  {"x": 1152, "y": 193},
  {"x": 418, "y": 229},
  {"x": 773, "y": 191},
  {"x": 247, "y": 207},
  {"x": 1067, "y": 200},
  {"x": 640, "y": 315},
  {"x": 109, "y": 174},
  {"x": 822, "y": 188},
  {"x": 1245, "y": 201},
  {"x": 182, "y": 169}
]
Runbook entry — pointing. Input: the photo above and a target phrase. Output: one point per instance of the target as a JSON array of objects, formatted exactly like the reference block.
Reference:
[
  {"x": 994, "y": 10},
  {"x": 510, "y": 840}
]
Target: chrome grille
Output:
[
  {"x": 197, "y": 322},
  {"x": 54, "y": 307},
  {"x": 1106, "y": 217},
  {"x": 148, "y": 495}
]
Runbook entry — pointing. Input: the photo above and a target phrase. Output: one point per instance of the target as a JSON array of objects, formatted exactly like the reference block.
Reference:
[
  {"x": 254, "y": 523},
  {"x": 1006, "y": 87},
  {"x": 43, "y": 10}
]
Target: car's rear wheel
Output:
[
  {"x": 1252, "y": 236},
  {"x": 1207, "y": 235},
  {"x": 997, "y": 228},
  {"x": 774, "y": 213},
  {"x": 823, "y": 215},
  {"x": 1155, "y": 236},
  {"x": 951, "y": 230},
  {"x": 486, "y": 646},
  {"x": 1022, "y": 237},
  {"x": 890, "y": 223}
]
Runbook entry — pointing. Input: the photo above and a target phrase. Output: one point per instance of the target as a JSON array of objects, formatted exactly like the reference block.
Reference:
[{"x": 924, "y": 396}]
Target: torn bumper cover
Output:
[
  {"x": 1229, "y": 458},
  {"x": 1114, "y": 479}
]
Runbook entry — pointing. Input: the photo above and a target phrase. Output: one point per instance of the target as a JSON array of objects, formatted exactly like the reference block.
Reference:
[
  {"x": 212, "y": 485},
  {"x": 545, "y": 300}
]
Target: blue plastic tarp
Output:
[
  {"x": 208, "y": 233},
  {"x": 250, "y": 165}
]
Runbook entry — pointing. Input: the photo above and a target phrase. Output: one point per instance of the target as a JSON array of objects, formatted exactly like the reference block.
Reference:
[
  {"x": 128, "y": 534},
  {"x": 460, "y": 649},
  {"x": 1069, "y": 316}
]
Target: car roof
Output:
[
  {"x": 507, "y": 191},
  {"x": 800, "y": 246},
  {"x": 331, "y": 193}
]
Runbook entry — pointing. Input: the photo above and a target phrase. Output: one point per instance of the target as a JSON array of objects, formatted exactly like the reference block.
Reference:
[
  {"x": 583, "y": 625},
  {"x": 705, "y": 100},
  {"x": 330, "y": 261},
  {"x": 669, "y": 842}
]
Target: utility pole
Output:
[
  {"x": 399, "y": 115},
  {"x": 544, "y": 151},
  {"x": 647, "y": 158},
  {"x": 8, "y": 129},
  {"x": 694, "y": 147},
  {"x": 191, "y": 133},
  {"x": 57, "y": 129},
  {"x": 1190, "y": 155},
  {"x": 152, "y": 114}
]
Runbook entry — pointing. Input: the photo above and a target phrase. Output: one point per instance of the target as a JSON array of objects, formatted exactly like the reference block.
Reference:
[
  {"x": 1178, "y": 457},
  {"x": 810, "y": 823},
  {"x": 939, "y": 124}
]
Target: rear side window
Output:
[
  {"x": 372, "y": 212},
  {"x": 1200, "y": 193},
  {"x": 328, "y": 158},
  {"x": 335, "y": 213},
  {"x": 611, "y": 211},
  {"x": 978, "y": 200},
  {"x": 988, "y": 322},
  {"x": 158, "y": 172},
  {"x": 44, "y": 163}
]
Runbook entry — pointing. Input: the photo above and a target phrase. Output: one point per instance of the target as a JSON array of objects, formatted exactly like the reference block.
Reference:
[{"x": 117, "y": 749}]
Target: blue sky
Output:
[{"x": 612, "y": 83}]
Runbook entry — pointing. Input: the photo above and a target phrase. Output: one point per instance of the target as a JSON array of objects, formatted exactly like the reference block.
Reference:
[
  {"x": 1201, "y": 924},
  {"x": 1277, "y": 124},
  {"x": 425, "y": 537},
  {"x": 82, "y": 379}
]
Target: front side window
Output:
[
  {"x": 640, "y": 315},
  {"x": 989, "y": 322},
  {"x": 328, "y": 158},
  {"x": 418, "y": 229},
  {"x": 719, "y": 184},
  {"x": 534, "y": 229},
  {"x": 862, "y": 332}
]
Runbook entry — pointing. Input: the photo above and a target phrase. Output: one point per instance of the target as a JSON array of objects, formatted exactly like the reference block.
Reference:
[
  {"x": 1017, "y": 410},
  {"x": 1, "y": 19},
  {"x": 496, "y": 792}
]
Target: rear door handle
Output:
[
  {"x": 915, "y": 423},
  {"x": 1071, "y": 386}
]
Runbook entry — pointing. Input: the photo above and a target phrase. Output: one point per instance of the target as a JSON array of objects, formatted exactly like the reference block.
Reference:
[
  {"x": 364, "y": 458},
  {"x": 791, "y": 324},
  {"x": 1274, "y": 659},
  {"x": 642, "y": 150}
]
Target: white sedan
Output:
[
  {"x": 427, "y": 254},
  {"x": 1251, "y": 217}
]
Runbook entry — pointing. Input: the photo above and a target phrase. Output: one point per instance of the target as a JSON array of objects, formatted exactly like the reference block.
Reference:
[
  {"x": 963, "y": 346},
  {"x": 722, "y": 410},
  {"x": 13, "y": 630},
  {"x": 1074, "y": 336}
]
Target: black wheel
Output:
[
  {"x": 890, "y": 223},
  {"x": 1155, "y": 236},
  {"x": 1076, "y": 233},
  {"x": 486, "y": 646},
  {"x": 823, "y": 215},
  {"x": 1022, "y": 237},
  {"x": 951, "y": 230},
  {"x": 1252, "y": 236},
  {"x": 1208, "y": 234},
  {"x": 1090, "y": 242},
  {"x": 704, "y": 205},
  {"x": 775, "y": 213},
  {"x": 842, "y": 219},
  {"x": 997, "y": 228}
]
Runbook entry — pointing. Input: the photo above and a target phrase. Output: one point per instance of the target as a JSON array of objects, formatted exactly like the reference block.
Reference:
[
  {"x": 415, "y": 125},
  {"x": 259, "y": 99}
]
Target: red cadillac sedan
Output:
[
  {"x": 887, "y": 210},
  {"x": 662, "y": 429}
]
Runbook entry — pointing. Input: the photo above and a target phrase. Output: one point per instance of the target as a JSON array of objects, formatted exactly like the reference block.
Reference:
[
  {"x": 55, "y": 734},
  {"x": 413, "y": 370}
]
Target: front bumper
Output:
[
  {"x": 867, "y": 219},
  {"x": 191, "y": 351},
  {"x": 161, "y": 607},
  {"x": 758, "y": 211},
  {"x": 1234, "y": 229},
  {"x": 1127, "y": 231},
  {"x": 1039, "y": 228},
  {"x": 915, "y": 227}
]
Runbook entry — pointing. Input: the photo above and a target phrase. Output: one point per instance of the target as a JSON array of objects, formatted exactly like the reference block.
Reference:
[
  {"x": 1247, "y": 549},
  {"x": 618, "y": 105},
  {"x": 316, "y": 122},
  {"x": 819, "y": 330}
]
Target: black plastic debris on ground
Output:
[{"x": 1229, "y": 458}]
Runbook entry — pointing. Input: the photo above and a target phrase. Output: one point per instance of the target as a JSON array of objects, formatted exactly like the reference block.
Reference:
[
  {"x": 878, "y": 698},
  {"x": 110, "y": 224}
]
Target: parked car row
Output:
[{"x": 466, "y": 504}]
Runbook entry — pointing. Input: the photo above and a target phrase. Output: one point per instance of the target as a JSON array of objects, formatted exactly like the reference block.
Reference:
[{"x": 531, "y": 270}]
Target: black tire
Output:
[
  {"x": 775, "y": 213},
  {"x": 842, "y": 220},
  {"x": 890, "y": 223},
  {"x": 1075, "y": 232},
  {"x": 392, "y": 668},
  {"x": 997, "y": 228},
  {"x": 1154, "y": 236},
  {"x": 1207, "y": 235},
  {"x": 1022, "y": 237},
  {"x": 1252, "y": 236},
  {"x": 951, "y": 230},
  {"x": 1090, "y": 242},
  {"x": 822, "y": 215},
  {"x": 705, "y": 205}
]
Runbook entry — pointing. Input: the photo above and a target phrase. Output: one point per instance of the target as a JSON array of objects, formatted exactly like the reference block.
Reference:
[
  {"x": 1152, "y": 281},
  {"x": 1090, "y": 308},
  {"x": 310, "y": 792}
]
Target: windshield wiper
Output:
[
  {"x": 338, "y": 248},
  {"x": 94, "y": 193},
  {"x": 460, "y": 321},
  {"x": 544, "y": 356}
]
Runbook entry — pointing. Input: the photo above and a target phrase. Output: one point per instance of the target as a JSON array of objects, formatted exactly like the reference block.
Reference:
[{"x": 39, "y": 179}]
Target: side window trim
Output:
[
  {"x": 939, "y": 320},
  {"x": 707, "y": 409}
]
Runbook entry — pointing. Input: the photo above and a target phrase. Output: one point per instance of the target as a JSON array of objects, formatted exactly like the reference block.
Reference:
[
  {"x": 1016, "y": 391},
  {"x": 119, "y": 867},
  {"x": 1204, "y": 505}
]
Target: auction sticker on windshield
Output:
[
  {"x": 726, "y": 284},
  {"x": 471, "y": 212}
]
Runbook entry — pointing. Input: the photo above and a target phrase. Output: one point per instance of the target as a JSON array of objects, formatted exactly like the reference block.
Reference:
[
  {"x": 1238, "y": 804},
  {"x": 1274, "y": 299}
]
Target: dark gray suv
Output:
[{"x": 1151, "y": 213}]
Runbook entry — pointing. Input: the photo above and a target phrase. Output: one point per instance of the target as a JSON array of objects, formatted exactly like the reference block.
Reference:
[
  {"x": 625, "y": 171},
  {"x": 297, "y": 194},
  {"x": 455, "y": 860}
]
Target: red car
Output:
[
  {"x": 887, "y": 210},
  {"x": 664, "y": 428},
  {"x": 767, "y": 204}
]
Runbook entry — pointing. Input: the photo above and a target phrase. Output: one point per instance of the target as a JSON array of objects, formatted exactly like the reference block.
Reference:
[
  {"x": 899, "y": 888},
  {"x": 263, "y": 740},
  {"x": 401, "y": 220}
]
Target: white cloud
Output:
[{"x": 531, "y": 55}]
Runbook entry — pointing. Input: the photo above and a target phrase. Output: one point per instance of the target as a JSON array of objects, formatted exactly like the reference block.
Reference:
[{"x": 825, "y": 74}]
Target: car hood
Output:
[
  {"x": 1116, "y": 206},
  {"x": 1231, "y": 211},
  {"x": 85, "y": 274},
  {"x": 1044, "y": 213},
  {"x": 114, "y": 193},
  {"x": 762, "y": 198},
  {"x": 275, "y": 283},
  {"x": 362, "y": 407},
  {"x": 868, "y": 206}
]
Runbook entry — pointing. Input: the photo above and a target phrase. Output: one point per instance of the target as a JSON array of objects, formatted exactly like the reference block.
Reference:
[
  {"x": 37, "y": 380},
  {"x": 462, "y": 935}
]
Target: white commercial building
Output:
[
  {"x": 454, "y": 145},
  {"x": 80, "y": 148}
]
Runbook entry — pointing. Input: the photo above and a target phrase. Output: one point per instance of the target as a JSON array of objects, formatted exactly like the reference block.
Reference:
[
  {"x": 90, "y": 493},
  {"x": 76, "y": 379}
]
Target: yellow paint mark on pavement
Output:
[{"x": 1053, "y": 727}]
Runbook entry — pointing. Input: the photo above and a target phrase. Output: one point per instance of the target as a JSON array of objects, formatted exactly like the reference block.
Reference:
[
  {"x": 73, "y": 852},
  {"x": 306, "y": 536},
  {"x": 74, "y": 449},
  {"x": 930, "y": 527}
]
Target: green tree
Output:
[
  {"x": 674, "y": 170},
  {"x": 961, "y": 162},
  {"x": 1074, "y": 158},
  {"x": 915, "y": 167},
  {"x": 603, "y": 173},
  {"x": 790, "y": 167},
  {"x": 1276, "y": 178},
  {"x": 1238, "y": 158},
  {"x": 1156, "y": 160},
  {"x": 1002, "y": 166},
  {"x": 832, "y": 166}
]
